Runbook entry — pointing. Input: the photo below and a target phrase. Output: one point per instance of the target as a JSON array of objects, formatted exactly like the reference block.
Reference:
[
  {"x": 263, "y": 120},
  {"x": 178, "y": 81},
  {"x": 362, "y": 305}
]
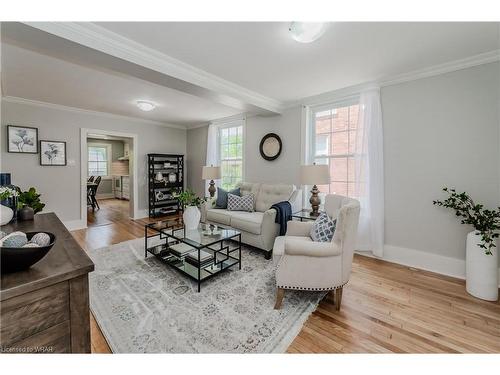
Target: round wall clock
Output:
[{"x": 270, "y": 146}]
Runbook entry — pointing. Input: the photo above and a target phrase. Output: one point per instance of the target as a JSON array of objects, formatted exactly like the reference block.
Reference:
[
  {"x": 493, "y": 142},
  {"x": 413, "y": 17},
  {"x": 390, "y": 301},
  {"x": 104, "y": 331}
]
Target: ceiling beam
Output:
[{"x": 128, "y": 57}]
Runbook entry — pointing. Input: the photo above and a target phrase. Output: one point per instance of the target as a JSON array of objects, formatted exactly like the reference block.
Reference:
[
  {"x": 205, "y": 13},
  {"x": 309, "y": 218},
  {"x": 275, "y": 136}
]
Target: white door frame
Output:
[{"x": 84, "y": 133}]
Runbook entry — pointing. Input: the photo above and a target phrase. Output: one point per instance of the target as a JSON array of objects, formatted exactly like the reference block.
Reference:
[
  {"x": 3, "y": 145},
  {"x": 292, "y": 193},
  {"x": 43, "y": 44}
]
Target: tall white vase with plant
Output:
[
  {"x": 481, "y": 265},
  {"x": 191, "y": 203}
]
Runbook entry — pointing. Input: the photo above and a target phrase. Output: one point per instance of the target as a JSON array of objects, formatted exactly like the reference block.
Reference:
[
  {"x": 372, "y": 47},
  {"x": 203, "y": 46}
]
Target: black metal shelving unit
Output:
[{"x": 161, "y": 193}]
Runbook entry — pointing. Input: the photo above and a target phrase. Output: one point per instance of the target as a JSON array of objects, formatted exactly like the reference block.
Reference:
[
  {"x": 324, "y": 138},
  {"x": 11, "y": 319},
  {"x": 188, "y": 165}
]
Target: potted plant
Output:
[
  {"x": 28, "y": 204},
  {"x": 191, "y": 203},
  {"x": 6, "y": 213},
  {"x": 481, "y": 249}
]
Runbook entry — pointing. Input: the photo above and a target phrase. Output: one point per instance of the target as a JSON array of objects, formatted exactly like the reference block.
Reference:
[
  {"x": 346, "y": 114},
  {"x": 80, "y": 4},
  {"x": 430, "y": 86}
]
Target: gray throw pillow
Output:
[
  {"x": 236, "y": 203},
  {"x": 323, "y": 228},
  {"x": 221, "y": 201}
]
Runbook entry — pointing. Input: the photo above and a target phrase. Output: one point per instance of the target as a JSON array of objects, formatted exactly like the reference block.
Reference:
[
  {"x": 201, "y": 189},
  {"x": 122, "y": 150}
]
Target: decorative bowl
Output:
[{"x": 15, "y": 259}]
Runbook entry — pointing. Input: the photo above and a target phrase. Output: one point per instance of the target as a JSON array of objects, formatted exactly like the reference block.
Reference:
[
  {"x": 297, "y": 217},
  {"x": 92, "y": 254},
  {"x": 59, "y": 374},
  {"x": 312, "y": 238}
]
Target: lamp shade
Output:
[
  {"x": 210, "y": 173},
  {"x": 314, "y": 174}
]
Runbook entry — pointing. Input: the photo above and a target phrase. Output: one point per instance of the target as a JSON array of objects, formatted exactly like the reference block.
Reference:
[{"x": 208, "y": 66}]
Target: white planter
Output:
[
  {"x": 481, "y": 270},
  {"x": 6, "y": 214},
  {"x": 191, "y": 217}
]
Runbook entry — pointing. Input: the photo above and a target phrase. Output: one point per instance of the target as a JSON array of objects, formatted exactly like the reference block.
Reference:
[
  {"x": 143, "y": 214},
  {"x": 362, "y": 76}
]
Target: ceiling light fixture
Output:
[
  {"x": 307, "y": 32},
  {"x": 145, "y": 105}
]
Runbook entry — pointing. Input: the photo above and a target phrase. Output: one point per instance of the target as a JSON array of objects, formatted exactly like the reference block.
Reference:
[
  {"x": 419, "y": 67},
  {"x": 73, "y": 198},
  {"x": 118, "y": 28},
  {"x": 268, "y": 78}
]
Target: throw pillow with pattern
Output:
[
  {"x": 237, "y": 203},
  {"x": 323, "y": 228},
  {"x": 221, "y": 201}
]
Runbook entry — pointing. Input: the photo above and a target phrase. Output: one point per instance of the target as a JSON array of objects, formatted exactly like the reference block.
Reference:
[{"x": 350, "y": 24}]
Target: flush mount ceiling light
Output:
[
  {"x": 145, "y": 105},
  {"x": 307, "y": 32}
]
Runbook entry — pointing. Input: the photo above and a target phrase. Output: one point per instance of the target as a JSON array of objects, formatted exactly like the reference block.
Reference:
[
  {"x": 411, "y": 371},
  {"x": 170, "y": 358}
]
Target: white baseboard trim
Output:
[
  {"x": 75, "y": 224},
  {"x": 423, "y": 260},
  {"x": 141, "y": 214}
]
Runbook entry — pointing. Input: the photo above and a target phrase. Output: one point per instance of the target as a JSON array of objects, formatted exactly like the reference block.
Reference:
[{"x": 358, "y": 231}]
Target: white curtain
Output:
[
  {"x": 212, "y": 152},
  {"x": 369, "y": 169}
]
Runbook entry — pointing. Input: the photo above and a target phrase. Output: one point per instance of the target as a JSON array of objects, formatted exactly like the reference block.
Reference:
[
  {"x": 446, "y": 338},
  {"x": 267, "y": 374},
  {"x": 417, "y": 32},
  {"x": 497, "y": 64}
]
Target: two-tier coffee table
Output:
[{"x": 200, "y": 253}]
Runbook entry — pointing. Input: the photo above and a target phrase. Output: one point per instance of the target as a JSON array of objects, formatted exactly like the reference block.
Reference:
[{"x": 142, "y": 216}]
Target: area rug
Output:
[{"x": 144, "y": 306}]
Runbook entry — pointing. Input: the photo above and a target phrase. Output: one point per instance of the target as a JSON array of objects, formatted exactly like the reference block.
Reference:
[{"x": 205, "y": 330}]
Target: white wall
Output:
[
  {"x": 60, "y": 186},
  {"x": 195, "y": 159},
  {"x": 438, "y": 131}
]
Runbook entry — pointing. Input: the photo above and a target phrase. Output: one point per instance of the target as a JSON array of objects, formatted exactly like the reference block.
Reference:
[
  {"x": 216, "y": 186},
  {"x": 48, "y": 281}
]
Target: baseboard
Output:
[
  {"x": 423, "y": 260},
  {"x": 141, "y": 214},
  {"x": 75, "y": 224}
]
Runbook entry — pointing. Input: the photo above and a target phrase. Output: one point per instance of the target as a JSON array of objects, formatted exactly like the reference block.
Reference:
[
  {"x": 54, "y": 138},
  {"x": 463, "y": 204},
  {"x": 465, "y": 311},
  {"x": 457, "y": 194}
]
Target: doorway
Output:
[{"x": 109, "y": 177}]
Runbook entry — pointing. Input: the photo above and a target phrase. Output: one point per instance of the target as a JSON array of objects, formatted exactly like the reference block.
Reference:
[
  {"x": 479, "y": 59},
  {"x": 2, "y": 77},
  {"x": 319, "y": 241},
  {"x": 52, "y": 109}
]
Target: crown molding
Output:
[
  {"x": 18, "y": 100},
  {"x": 451, "y": 66},
  {"x": 103, "y": 40}
]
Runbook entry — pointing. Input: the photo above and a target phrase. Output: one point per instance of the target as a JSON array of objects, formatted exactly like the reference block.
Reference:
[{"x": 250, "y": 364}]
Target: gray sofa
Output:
[{"x": 257, "y": 228}]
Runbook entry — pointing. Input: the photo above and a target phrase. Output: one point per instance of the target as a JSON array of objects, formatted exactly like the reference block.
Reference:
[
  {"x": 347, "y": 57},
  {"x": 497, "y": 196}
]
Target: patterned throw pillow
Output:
[
  {"x": 236, "y": 203},
  {"x": 222, "y": 197},
  {"x": 323, "y": 228}
]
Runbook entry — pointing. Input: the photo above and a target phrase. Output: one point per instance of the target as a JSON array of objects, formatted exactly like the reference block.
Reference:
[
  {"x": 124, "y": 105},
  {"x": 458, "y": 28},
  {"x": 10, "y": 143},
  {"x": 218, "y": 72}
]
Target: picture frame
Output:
[
  {"x": 22, "y": 139},
  {"x": 52, "y": 153}
]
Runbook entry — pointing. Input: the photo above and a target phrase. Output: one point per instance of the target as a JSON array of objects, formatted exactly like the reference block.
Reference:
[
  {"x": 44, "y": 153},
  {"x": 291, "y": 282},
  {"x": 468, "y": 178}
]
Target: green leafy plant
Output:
[
  {"x": 7, "y": 192},
  {"x": 485, "y": 222},
  {"x": 189, "y": 198},
  {"x": 31, "y": 199}
]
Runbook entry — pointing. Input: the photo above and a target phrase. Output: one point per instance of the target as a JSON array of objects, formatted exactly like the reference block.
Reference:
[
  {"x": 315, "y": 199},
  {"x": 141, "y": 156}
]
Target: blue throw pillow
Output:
[
  {"x": 323, "y": 228},
  {"x": 221, "y": 201}
]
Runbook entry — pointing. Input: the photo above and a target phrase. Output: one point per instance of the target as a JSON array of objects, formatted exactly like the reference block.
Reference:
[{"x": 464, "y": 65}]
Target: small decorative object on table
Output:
[
  {"x": 6, "y": 213},
  {"x": 313, "y": 175},
  {"x": 28, "y": 204},
  {"x": 191, "y": 204},
  {"x": 481, "y": 249},
  {"x": 211, "y": 173},
  {"x": 20, "y": 250}
]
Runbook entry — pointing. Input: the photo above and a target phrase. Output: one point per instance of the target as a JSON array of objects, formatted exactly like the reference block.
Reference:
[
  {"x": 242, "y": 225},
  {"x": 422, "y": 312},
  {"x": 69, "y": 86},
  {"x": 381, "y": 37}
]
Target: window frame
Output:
[
  {"x": 109, "y": 157},
  {"x": 311, "y": 138},
  {"x": 233, "y": 124}
]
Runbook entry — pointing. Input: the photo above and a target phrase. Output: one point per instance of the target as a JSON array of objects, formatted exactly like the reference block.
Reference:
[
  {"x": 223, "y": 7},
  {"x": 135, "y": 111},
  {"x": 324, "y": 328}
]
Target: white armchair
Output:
[{"x": 303, "y": 264}]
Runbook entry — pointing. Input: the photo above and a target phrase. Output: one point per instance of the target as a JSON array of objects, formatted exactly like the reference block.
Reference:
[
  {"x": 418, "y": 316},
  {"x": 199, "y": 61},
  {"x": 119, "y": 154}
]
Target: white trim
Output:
[
  {"x": 451, "y": 66},
  {"x": 19, "y": 100},
  {"x": 105, "y": 196},
  {"x": 75, "y": 224},
  {"x": 104, "y": 40},
  {"x": 84, "y": 132},
  {"x": 423, "y": 260},
  {"x": 141, "y": 214}
]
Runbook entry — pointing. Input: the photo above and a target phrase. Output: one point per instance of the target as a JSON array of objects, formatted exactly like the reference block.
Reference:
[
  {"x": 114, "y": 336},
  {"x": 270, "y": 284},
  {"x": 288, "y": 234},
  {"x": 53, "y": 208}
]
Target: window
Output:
[
  {"x": 231, "y": 155},
  {"x": 98, "y": 159},
  {"x": 333, "y": 132}
]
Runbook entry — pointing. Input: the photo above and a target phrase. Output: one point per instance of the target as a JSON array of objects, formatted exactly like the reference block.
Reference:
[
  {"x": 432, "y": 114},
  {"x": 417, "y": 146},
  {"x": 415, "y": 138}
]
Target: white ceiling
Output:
[
  {"x": 65, "y": 83},
  {"x": 259, "y": 57},
  {"x": 263, "y": 57}
]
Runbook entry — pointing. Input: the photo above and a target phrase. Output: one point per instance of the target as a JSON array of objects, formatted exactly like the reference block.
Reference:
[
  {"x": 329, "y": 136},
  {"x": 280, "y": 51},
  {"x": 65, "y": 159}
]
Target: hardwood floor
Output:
[{"x": 386, "y": 308}]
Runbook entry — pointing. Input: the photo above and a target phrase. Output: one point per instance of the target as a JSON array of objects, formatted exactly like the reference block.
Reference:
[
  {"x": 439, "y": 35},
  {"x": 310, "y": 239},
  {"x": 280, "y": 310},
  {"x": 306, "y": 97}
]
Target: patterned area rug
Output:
[{"x": 144, "y": 306}]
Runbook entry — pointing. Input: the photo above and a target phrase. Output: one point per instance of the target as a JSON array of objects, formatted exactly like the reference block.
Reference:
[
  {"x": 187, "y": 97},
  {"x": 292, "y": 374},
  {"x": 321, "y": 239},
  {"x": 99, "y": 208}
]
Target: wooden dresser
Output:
[{"x": 45, "y": 309}]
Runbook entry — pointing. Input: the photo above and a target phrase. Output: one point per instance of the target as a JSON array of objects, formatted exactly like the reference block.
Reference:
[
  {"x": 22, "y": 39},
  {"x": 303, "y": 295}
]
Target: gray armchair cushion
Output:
[{"x": 323, "y": 228}]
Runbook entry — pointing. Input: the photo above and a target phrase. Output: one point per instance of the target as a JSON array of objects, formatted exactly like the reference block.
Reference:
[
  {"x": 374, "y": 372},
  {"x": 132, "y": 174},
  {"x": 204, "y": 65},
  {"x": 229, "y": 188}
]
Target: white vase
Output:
[
  {"x": 481, "y": 270},
  {"x": 191, "y": 217},
  {"x": 6, "y": 214}
]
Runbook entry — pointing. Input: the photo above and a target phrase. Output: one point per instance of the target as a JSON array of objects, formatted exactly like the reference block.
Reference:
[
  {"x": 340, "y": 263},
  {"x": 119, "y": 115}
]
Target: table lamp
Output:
[
  {"x": 315, "y": 175},
  {"x": 211, "y": 173}
]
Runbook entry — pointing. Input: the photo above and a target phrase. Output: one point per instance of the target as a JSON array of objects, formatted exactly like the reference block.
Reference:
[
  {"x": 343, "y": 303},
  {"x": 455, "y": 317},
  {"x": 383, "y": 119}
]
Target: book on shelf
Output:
[{"x": 206, "y": 258}]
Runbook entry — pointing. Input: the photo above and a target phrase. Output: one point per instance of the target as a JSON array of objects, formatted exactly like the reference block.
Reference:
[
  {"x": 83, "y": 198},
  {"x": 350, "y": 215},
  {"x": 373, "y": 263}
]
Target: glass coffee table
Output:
[{"x": 200, "y": 253}]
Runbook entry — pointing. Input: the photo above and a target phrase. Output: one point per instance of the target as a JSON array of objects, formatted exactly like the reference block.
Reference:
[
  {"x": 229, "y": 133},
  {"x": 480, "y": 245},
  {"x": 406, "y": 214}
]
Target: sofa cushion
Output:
[
  {"x": 220, "y": 216},
  {"x": 249, "y": 188},
  {"x": 250, "y": 222},
  {"x": 279, "y": 246},
  {"x": 271, "y": 194},
  {"x": 243, "y": 203},
  {"x": 221, "y": 201}
]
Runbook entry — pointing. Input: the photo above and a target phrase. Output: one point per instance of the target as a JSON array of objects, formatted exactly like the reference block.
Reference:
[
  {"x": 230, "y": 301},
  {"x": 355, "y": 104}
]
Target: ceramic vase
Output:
[
  {"x": 25, "y": 213},
  {"x": 6, "y": 214},
  {"x": 191, "y": 217},
  {"x": 481, "y": 270}
]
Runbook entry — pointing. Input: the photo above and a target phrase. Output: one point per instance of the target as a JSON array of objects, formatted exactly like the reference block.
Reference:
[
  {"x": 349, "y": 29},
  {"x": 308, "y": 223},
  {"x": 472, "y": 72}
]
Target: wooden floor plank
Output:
[{"x": 386, "y": 307}]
